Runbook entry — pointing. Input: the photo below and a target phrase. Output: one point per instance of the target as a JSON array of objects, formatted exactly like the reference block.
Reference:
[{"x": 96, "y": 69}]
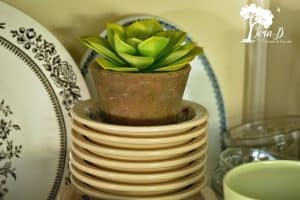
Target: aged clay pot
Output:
[{"x": 140, "y": 98}]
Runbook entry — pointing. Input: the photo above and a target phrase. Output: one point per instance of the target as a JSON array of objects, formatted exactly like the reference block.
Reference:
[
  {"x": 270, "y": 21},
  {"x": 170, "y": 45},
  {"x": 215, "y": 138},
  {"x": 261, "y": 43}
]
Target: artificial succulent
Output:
[{"x": 143, "y": 46}]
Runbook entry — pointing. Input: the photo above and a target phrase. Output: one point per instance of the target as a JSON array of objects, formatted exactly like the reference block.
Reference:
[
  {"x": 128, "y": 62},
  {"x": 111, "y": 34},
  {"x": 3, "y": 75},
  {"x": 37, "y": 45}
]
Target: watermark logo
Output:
[{"x": 261, "y": 19}]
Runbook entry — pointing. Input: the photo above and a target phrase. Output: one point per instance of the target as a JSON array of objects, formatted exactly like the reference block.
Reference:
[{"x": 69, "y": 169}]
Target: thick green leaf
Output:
[
  {"x": 137, "y": 61},
  {"x": 123, "y": 47},
  {"x": 143, "y": 29},
  {"x": 106, "y": 64},
  {"x": 133, "y": 42},
  {"x": 182, "y": 62},
  {"x": 176, "y": 39},
  {"x": 196, "y": 51},
  {"x": 175, "y": 66},
  {"x": 102, "y": 47},
  {"x": 113, "y": 29},
  {"x": 176, "y": 55},
  {"x": 153, "y": 46}
]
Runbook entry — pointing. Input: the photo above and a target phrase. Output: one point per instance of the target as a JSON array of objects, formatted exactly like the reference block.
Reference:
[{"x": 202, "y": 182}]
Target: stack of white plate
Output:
[{"x": 111, "y": 161}]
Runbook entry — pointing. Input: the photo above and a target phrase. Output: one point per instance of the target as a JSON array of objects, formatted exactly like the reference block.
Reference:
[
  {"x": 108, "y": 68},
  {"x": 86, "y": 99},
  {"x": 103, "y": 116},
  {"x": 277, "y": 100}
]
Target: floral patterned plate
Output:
[
  {"x": 39, "y": 83},
  {"x": 202, "y": 87}
]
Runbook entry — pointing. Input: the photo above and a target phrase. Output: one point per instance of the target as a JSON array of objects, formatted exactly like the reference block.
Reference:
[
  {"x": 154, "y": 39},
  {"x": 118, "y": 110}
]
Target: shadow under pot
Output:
[{"x": 140, "y": 98}]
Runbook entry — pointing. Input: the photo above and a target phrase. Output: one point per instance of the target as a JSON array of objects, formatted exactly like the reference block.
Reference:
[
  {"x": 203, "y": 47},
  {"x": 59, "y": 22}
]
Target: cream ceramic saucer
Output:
[
  {"x": 137, "y": 189},
  {"x": 137, "y": 146},
  {"x": 139, "y": 142},
  {"x": 187, "y": 193},
  {"x": 138, "y": 167},
  {"x": 99, "y": 136},
  {"x": 69, "y": 192},
  {"x": 134, "y": 177},
  {"x": 88, "y": 113},
  {"x": 137, "y": 155}
]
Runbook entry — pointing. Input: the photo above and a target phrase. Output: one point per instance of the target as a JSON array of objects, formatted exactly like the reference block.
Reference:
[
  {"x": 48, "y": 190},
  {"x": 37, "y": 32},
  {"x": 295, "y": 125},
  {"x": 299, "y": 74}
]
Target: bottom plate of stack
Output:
[
  {"x": 69, "y": 192},
  {"x": 118, "y": 162},
  {"x": 101, "y": 194}
]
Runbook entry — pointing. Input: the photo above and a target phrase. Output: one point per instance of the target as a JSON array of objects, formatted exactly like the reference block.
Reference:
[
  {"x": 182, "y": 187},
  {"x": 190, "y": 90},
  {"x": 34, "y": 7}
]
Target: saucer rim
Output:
[
  {"x": 141, "y": 166},
  {"x": 136, "y": 178},
  {"x": 97, "y": 135},
  {"x": 102, "y": 184},
  {"x": 79, "y": 114},
  {"x": 137, "y": 153}
]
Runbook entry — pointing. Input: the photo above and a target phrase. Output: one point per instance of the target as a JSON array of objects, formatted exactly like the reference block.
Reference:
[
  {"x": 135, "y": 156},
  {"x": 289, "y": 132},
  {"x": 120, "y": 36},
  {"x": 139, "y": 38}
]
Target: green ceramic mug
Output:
[{"x": 266, "y": 180}]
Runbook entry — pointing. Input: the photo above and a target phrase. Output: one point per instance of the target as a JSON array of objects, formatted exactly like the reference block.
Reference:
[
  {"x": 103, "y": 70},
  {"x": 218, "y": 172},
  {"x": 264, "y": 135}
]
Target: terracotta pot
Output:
[{"x": 140, "y": 98}]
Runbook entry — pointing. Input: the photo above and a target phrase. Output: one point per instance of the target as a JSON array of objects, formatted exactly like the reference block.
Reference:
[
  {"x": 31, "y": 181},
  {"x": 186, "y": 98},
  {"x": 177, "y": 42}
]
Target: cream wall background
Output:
[{"x": 214, "y": 24}]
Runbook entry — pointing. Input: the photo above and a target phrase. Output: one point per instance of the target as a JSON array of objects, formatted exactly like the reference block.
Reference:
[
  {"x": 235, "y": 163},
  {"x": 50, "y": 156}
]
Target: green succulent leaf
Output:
[
  {"x": 196, "y": 51},
  {"x": 134, "y": 41},
  {"x": 143, "y": 46},
  {"x": 113, "y": 29},
  {"x": 123, "y": 47},
  {"x": 143, "y": 29},
  {"x": 176, "y": 39},
  {"x": 106, "y": 64},
  {"x": 183, "y": 61},
  {"x": 139, "y": 62},
  {"x": 176, "y": 66},
  {"x": 153, "y": 46},
  {"x": 101, "y": 46},
  {"x": 176, "y": 55}
]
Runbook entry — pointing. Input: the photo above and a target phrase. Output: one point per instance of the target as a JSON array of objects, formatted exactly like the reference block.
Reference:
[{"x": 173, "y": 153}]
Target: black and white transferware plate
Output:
[{"x": 39, "y": 83}]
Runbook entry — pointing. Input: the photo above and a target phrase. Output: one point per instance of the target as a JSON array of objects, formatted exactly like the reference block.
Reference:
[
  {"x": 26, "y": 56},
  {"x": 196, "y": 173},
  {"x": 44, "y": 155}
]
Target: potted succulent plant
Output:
[{"x": 142, "y": 71}]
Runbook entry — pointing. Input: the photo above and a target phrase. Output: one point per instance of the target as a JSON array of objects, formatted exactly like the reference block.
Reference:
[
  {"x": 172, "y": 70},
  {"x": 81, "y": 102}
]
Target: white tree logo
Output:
[{"x": 256, "y": 15}]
